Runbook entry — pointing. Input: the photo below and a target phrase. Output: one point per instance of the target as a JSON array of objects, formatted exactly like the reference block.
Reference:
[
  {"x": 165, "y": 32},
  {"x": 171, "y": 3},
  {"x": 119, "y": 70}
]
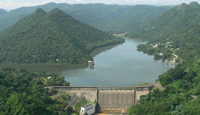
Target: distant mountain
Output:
[
  {"x": 2, "y": 12},
  {"x": 111, "y": 18},
  {"x": 171, "y": 23},
  {"x": 116, "y": 18},
  {"x": 53, "y": 37}
]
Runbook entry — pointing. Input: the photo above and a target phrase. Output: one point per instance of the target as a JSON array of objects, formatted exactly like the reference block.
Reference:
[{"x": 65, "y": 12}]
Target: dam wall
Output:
[{"x": 107, "y": 98}]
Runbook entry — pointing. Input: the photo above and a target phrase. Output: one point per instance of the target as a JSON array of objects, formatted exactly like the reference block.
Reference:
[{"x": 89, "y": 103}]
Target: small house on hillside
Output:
[{"x": 90, "y": 63}]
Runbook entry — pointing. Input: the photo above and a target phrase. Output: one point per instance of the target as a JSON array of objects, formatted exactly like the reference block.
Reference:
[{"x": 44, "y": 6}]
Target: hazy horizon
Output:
[{"x": 14, "y": 4}]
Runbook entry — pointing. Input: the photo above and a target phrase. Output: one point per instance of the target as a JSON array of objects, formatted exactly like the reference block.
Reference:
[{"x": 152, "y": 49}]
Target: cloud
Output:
[{"x": 8, "y": 5}]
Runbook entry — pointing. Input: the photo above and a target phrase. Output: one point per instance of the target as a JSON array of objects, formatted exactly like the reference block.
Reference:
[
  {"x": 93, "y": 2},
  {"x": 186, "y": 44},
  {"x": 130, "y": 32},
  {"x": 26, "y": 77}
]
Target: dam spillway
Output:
[{"x": 115, "y": 99}]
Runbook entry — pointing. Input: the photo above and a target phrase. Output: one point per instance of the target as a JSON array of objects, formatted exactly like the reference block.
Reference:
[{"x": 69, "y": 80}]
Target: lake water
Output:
[{"x": 122, "y": 65}]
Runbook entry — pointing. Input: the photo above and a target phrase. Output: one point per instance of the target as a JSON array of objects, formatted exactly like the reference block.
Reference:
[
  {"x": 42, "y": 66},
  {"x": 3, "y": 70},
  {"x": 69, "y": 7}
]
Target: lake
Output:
[{"x": 121, "y": 65}]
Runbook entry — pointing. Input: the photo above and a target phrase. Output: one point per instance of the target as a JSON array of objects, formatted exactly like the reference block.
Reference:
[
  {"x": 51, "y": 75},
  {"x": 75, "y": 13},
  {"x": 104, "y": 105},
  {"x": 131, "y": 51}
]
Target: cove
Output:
[{"x": 121, "y": 65}]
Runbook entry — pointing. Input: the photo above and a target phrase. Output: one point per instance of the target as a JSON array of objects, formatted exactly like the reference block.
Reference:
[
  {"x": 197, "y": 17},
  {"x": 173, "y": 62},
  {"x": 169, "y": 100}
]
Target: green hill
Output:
[
  {"x": 111, "y": 18},
  {"x": 175, "y": 37},
  {"x": 53, "y": 37},
  {"x": 174, "y": 21}
]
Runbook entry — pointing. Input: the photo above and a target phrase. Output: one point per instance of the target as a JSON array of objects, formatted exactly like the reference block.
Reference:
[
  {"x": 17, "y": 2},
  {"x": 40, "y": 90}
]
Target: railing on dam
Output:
[
  {"x": 91, "y": 87},
  {"x": 102, "y": 87}
]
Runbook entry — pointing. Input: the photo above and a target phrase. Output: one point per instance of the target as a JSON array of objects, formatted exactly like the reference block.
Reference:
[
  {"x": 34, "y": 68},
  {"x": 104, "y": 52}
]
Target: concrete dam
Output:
[{"x": 107, "y": 98}]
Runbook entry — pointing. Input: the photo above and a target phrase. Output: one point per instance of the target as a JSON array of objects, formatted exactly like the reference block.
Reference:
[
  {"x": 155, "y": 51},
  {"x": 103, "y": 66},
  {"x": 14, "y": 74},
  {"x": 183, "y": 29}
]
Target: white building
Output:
[
  {"x": 88, "y": 109},
  {"x": 155, "y": 46},
  {"x": 160, "y": 54},
  {"x": 90, "y": 62}
]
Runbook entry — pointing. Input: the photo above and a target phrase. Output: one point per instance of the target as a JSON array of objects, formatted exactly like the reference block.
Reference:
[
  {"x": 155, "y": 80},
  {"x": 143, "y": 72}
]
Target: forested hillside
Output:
[
  {"x": 53, "y": 37},
  {"x": 111, "y": 18},
  {"x": 23, "y": 93},
  {"x": 177, "y": 39},
  {"x": 181, "y": 95}
]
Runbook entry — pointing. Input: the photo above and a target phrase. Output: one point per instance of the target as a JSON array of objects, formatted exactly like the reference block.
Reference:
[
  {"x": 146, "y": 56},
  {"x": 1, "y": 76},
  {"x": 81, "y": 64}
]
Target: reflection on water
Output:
[
  {"x": 102, "y": 49},
  {"x": 91, "y": 67},
  {"x": 43, "y": 67},
  {"x": 122, "y": 65}
]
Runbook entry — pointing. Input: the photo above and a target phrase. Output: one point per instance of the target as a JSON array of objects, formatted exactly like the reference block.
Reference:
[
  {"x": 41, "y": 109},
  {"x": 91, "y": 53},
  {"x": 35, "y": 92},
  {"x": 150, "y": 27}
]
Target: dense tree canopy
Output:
[{"x": 23, "y": 92}]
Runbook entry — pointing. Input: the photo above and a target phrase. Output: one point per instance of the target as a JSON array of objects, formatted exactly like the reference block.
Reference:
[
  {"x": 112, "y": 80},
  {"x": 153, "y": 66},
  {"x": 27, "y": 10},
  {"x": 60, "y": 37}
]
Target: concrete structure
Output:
[
  {"x": 88, "y": 109},
  {"x": 107, "y": 98}
]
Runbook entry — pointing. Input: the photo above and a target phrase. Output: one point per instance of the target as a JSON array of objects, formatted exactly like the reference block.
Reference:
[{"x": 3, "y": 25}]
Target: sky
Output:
[{"x": 13, "y": 4}]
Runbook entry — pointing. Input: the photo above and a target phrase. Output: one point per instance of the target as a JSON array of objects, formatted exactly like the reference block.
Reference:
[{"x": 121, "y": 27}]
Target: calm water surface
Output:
[{"x": 122, "y": 65}]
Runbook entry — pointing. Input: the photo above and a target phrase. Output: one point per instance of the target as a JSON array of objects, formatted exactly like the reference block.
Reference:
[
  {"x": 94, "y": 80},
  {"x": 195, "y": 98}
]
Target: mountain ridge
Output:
[
  {"x": 111, "y": 18},
  {"x": 2, "y": 12}
]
